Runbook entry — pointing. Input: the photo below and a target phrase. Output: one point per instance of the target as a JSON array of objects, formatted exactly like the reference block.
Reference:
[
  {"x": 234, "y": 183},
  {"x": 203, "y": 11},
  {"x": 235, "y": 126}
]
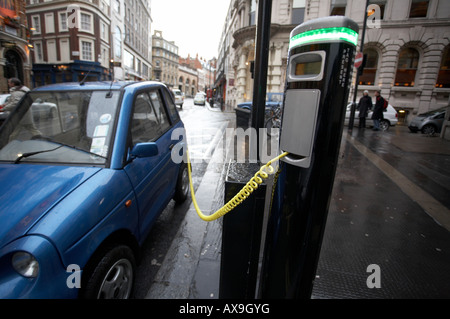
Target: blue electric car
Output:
[{"x": 81, "y": 187}]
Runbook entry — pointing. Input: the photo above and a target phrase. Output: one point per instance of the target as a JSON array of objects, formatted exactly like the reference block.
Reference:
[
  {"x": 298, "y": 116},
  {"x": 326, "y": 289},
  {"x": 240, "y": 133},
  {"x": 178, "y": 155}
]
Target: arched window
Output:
[
  {"x": 443, "y": 80},
  {"x": 408, "y": 61},
  {"x": 370, "y": 69}
]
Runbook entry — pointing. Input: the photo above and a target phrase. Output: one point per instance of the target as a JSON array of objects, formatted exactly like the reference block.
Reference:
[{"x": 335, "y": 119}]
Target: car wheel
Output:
[
  {"x": 182, "y": 188},
  {"x": 429, "y": 130},
  {"x": 384, "y": 125},
  {"x": 111, "y": 275}
]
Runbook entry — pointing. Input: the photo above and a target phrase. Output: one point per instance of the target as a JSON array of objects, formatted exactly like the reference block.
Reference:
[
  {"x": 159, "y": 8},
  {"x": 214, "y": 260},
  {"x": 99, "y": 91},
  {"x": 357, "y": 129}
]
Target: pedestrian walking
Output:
[
  {"x": 377, "y": 115},
  {"x": 364, "y": 105},
  {"x": 18, "y": 90}
]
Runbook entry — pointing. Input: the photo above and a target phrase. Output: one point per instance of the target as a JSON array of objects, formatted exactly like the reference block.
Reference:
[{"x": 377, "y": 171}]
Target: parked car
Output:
[
  {"x": 44, "y": 109},
  {"x": 199, "y": 99},
  {"x": 272, "y": 116},
  {"x": 273, "y": 100},
  {"x": 179, "y": 97},
  {"x": 390, "y": 117},
  {"x": 80, "y": 198},
  {"x": 428, "y": 123},
  {"x": 3, "y": 99}
]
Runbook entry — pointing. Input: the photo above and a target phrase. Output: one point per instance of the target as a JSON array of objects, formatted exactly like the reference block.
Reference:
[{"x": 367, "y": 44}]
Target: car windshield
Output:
[{"x": 60, "y": 127}]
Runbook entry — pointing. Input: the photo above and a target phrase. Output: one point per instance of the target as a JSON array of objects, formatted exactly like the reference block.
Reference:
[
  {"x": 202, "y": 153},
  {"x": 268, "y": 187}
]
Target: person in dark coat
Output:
[
  {"x": 17, "y": 92},
  {"x": 364, "y": 105},
  {"x": 377, "y": 115}
]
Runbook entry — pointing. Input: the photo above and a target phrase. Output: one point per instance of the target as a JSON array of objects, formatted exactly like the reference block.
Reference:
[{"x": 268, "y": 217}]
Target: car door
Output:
[{"x": 153, "y": 178}]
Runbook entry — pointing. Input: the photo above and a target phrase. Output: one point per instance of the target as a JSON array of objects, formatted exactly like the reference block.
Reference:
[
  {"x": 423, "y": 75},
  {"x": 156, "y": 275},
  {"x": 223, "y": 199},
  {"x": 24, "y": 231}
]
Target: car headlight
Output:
[{"x": 25, "y": 264}]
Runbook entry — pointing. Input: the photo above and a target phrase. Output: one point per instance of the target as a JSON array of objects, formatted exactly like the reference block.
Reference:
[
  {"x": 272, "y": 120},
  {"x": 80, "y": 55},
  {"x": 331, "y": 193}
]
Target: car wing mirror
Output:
[{"x": 143, "y": 150}]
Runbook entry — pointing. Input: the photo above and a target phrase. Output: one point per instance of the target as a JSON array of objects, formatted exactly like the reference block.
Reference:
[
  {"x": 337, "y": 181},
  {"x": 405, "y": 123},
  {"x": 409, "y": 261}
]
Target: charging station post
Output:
[
  {"x": 320, "y": 66},
  {"x": 242, "y": 229}
]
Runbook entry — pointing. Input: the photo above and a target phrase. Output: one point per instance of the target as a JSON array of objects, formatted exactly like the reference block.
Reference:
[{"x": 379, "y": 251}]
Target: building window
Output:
[
  {"x": 103, "y": 31},
  {"x": 118, "y": 43},
  {"x": 252, "y": 17},
  {"x": 86, "y": 50},
  {"x": 338, "y": 7},
  {"x": 370, "y": 68},
  {"x": 63, "y": 22},
  {"x": 298, "y": 11},
  {"x": 49, "y": 23},
  {"x": 38, "y": 52},
  {"x": 117, "y": 6},
  {"x": 36, "y": 24},
  {"x": 65, "y": 50},
  {"x": 419, "y": 9},
  {"x": 408, "y": 61},
  {"x": 381, "y": 4},
  {"x": 128, "y": 60},
  {"x": 86, "y": 22},
  {"x": 443, "y": 80}
]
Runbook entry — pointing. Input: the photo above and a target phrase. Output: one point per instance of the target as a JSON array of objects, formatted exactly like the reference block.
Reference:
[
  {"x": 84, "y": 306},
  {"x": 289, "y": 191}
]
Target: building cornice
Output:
[{"x": 249, "y": 33}]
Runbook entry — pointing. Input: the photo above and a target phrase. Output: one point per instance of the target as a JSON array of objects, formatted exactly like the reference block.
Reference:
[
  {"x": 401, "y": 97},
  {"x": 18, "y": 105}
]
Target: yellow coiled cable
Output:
[{"x": 243, "y": 194}]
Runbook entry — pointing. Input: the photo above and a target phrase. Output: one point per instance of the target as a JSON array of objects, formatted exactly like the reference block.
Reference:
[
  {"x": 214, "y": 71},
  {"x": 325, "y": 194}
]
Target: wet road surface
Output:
[{"x": 172, "y": 232}]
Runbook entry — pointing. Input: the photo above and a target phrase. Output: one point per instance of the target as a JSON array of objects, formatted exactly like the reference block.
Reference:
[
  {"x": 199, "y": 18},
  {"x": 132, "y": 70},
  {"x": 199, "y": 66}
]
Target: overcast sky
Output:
[{"x": 194, "y": 25}]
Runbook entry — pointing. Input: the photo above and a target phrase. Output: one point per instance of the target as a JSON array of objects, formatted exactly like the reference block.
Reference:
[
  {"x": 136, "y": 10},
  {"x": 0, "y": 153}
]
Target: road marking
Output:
[{"x": 430, "y": 205}]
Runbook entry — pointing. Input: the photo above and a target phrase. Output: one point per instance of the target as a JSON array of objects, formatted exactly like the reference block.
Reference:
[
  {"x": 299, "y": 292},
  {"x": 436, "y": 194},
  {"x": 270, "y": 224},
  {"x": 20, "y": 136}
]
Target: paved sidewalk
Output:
[{"x": 389, "y": 207}]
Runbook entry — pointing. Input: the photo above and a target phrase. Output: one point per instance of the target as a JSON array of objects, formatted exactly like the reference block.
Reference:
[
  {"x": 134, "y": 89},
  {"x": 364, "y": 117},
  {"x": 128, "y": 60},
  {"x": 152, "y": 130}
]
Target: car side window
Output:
[
  {"x": 144, "y": 125},
  {"x": 171, "y": 106},
  {"x": 160, "y": 112}
]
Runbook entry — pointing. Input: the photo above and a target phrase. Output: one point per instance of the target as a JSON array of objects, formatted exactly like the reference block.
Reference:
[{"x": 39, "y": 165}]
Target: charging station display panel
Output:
[{"x": 307, "y": 66}]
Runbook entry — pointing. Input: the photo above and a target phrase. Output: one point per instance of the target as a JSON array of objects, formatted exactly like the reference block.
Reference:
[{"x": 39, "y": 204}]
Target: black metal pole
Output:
[
  {"x": 353, "y": 106},
  {"x": 261, "y": 65}
]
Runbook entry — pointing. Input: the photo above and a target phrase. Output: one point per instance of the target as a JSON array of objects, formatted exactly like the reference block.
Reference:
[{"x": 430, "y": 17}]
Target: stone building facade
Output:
[
  {"x": 406, "y": 47},
  {"x": 165, "y": 60},
  {"x": 237, "y": 48}
]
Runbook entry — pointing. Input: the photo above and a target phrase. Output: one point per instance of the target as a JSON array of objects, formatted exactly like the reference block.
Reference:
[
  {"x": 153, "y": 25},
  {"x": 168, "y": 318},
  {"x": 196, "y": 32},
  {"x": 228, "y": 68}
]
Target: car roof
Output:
[{"x": 100, "y": 85}]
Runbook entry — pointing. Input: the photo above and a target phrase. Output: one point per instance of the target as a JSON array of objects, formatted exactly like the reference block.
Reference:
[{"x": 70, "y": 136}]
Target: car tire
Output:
[
  {"x": 183, "y": 184},
  {"x": 429, "y": 130},
  {"x": 110, "y": 275},
  {"x": 384, "y": 125}
]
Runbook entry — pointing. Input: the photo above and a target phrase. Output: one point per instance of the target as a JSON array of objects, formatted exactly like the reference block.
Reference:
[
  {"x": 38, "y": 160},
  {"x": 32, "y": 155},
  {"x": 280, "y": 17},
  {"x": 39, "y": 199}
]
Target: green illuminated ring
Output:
[{"x": 325, "y": 35}]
